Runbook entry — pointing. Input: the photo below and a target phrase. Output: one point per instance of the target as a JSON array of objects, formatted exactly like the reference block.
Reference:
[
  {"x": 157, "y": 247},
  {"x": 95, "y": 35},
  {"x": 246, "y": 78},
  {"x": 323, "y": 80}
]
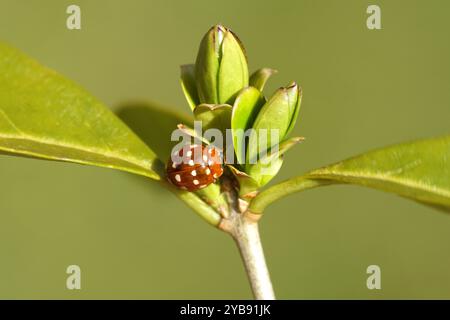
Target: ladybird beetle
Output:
[{"x": 194, "y": 167}]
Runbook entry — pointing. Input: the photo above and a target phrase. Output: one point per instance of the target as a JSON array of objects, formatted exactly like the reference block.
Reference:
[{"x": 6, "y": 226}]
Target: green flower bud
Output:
[
  {"x": 221, "y": 67},
  {"x": 295, "y": 96},
  {"x": 263, "y": 173},
  {"x": 259, "y": 78},
  {"x": 278, "y": 115}
]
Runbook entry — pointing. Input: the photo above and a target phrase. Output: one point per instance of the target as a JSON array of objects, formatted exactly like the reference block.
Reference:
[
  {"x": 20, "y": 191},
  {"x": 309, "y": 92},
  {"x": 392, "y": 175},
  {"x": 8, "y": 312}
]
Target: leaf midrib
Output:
[
  {"x": 141, "y": 168},
  {"x": 403, "y": 182}
]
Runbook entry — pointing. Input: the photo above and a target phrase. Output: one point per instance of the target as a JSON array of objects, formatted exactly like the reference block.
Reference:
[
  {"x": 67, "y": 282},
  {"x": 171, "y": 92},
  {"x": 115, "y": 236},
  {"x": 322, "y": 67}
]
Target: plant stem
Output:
[
  {"x": 246, "y": 234},
  {"x": 193, "y": 201}
]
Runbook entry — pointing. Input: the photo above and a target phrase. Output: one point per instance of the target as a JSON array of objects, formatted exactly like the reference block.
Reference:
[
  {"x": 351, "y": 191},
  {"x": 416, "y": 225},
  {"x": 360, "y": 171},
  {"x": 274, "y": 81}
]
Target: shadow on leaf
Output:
[{"x": 153, "y": 123}]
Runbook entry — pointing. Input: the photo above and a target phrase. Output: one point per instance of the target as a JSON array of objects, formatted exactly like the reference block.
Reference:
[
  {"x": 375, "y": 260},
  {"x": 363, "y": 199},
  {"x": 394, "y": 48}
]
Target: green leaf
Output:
[
  {"x": 188, "y": 85},
  {"x": 196, "y": 136},
  {"x": 417, "y": 170},
  {"x": 245, "y": 109},
  {"x": 259, "y": 78},
  {"x": 45, "y": 115},
  {"x": 262, "y": 173},
  {"x": 247, "y": 185},
  {"x": 269, "y": 165},
  {"x": 283, "y": 147}
]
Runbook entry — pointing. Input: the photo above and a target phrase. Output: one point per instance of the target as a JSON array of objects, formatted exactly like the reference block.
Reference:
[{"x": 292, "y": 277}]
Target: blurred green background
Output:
[{"x": 362, "y": 89}]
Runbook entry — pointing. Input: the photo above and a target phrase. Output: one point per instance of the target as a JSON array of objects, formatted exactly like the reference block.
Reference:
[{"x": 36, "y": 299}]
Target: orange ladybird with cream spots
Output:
[{"x": 194, "y": 167}]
